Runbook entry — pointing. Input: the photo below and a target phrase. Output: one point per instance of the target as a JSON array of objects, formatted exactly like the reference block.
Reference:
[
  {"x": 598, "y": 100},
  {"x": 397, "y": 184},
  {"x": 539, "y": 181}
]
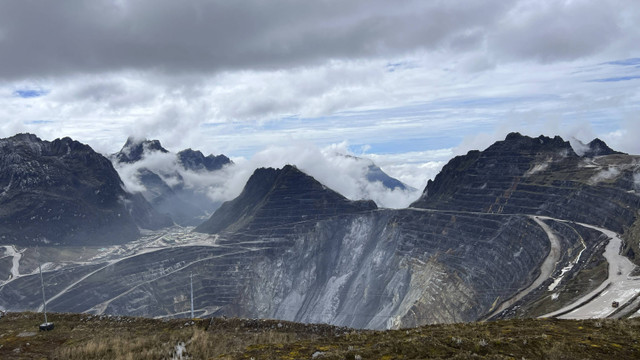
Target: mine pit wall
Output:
[
  {"x": 390, "y": 269},
  {"x": 521, "y": 177},
  {"x": 162, "y": 286},
  {"x": 377, "y": 269},
  {"x": 603, "y": 206}
]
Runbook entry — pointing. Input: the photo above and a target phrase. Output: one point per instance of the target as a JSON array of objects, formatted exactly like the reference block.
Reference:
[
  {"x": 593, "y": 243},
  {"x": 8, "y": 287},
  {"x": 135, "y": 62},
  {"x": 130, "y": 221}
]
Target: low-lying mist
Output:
[{"x": 334, "y": 166}]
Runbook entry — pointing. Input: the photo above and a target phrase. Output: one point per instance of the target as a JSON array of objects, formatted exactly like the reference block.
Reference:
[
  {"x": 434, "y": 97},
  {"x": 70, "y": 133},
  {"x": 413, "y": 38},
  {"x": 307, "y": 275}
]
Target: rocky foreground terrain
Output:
[
  {"x": 525, "y": 228},
  {"x": 82, "y": 336}
]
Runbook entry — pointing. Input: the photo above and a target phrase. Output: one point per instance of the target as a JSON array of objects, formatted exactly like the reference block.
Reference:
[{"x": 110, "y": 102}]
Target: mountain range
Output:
[
  {"x": 163, "y": 184},
  {"x": 63, "y": 192},
  {"x": 180, "y": 185},
  {"x": 526, "y": 227}
]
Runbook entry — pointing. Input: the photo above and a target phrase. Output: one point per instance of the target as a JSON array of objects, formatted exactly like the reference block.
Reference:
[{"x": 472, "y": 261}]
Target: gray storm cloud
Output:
[
  {"x": 236, "y": 77},
  {"x": 51, "y": 38}
]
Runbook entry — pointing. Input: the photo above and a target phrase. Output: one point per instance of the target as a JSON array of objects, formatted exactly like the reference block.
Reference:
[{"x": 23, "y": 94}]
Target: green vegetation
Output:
[{"x": 81, "y": 336}]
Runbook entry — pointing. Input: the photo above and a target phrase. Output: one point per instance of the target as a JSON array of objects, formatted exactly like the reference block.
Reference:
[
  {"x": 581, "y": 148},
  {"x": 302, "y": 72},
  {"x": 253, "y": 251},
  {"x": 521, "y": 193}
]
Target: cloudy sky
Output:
[{"x": 408, "y": 83}]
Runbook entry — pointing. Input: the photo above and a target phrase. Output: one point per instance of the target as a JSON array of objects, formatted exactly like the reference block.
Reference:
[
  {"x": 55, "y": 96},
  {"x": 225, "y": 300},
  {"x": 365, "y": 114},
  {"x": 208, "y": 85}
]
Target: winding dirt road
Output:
[
  {"x": 620, "y": 286},
  {"x": 16, "y": 255}
]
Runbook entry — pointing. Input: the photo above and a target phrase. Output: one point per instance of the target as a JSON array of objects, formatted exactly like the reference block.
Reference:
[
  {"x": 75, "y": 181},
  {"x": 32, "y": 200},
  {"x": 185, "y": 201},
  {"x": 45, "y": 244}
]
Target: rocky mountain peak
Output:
[
  {"x": 134, "y": 149},
  {"x": 516, "y": 143},
  {"x": 598, "y": 147},
  {"x": 22, "y": 145},
  {"x": 22, "y": 138},
  {"x": 28, "y": 143},
  {"x": 534, "y": 176},
  {"x": 274, "y": 197},
  {"x": 64, "y": 192},
  {"x": 196, "y": 161},
  {"x": 67, "y": 145},
  {"x": 375, "y": 174},
  {"x": 505, "y": 162},
  {"x": 31, "y": 162}
]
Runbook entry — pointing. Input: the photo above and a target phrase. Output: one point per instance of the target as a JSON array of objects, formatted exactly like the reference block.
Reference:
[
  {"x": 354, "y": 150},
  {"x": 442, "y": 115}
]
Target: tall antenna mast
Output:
[
  {"x": 44, "y": 300},
  {"x": 191, "y": 276},
  {"x": 46, "y": 326}
]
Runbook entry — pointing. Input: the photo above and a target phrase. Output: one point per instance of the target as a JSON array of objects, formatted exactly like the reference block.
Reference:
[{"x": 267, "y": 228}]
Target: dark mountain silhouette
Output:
[
  {"x": 274, "y": 197},
  {"x": 63, "y": 192}
]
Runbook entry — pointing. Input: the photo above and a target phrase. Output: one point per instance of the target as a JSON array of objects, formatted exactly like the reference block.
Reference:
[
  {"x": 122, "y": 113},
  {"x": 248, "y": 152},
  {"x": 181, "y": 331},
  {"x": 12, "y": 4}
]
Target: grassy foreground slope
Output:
[{"x": 81, "y": 336}]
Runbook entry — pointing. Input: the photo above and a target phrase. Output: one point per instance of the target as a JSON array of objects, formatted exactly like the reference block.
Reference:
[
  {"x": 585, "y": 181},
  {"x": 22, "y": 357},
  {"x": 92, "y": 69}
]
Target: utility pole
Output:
[
  {"x": 191, "y": 276},
  {"x": 44, "y": 300},
  {"x": 46, "y": 326}
]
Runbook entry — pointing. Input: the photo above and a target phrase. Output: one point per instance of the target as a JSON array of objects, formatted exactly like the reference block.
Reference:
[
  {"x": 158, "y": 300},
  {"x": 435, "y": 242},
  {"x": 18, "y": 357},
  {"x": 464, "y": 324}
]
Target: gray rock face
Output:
[
  {"x": 62, "y": 192},
  {"x": 381, "y": 269}
]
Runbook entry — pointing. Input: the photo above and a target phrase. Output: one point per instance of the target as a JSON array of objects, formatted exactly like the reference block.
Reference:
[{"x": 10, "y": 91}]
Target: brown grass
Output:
[{"x": 85, "y": 337}]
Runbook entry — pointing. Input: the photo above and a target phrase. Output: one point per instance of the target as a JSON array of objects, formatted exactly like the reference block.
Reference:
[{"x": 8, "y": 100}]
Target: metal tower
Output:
[
  {"x": 46, "y": 326},
  {"x": 191, "y": 276}
]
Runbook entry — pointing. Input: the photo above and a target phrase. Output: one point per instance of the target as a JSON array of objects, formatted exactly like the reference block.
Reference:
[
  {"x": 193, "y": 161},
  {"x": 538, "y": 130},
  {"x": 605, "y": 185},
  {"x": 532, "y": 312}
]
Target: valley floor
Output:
[{"x": 81, "y": 336}]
